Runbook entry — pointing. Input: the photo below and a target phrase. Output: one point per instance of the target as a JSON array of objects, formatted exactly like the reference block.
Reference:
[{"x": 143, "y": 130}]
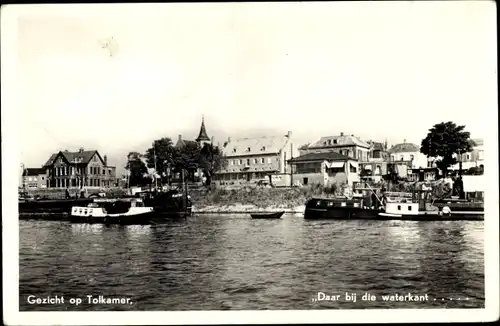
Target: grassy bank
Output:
[{"x": 254, "y": 199}]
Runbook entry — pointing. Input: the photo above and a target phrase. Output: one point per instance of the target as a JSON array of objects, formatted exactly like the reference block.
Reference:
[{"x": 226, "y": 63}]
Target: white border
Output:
[{"x": 11, "y": 162}]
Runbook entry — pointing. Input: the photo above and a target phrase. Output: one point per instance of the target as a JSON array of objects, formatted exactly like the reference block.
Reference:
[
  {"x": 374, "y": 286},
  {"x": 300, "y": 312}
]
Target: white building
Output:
[
  {"x": 249, "y": 160},
  {"x": 409, "y": 154}
]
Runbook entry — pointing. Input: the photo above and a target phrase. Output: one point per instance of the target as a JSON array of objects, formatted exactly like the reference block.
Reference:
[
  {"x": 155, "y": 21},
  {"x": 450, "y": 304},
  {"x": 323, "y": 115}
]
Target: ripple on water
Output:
[{"x": 223, "y": 262}]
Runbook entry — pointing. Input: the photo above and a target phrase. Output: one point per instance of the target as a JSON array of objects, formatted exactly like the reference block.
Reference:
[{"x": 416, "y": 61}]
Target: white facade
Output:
[{"x": 418, "y": 160}]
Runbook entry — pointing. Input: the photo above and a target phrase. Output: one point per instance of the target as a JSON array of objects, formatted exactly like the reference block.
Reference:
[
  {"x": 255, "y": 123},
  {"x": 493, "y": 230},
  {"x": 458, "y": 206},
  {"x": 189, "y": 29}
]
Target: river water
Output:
[{"x": 232, "y": 262}]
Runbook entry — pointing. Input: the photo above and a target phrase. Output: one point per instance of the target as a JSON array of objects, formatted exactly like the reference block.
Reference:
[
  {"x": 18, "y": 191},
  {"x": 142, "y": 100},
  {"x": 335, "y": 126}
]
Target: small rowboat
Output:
[{"x": 268, "y": 215}]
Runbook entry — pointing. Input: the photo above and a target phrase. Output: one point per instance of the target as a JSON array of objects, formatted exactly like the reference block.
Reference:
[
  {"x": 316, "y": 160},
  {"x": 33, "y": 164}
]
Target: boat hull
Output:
[
  {"x": 344, "y": 210},
  {"x": 276, "y": 215}
]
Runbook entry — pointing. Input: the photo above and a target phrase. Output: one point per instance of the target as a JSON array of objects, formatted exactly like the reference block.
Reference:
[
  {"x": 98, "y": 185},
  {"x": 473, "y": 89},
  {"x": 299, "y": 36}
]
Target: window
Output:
[
  {"x": 262, "y": 160},
  {"x": 269, "y": 161},
  {"x": 254, "y": 161},
  {"x": 95, "y": 158},
  {"x": 234, "y": 150},
  {"x": 305, "y": 180},
  {"x": 241, "y": 162},
  {"x": 248, "y": 149},
  {"x": 231, "y": 162},
  {"x": 409, "y": 208},
  {"x": 411, "y": 157},
  {"x": 399, "y": 207},
  {"x": 401, "y": 158},
  {"x": 43, "y": 178},
  {"x": 335, "y": 141},
  {"x": 29, "y": 179},
  {"x": 263, "y": 148},
  {"x": 248, "y": 161},
  {"x": 34, "y": 178}
]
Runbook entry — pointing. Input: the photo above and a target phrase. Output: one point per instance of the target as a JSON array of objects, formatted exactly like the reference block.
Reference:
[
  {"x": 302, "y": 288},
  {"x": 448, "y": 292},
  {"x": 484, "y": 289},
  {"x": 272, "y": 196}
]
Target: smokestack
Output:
[
  {"x": 105, "y": 158},
  {"x": 342, "y": 134},
  {"x": 289, "y": 134}
]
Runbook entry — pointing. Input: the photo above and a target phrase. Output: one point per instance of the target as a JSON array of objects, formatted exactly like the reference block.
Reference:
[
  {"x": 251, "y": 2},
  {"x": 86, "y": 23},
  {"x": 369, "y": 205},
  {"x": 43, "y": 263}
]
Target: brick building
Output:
[
  {"x": 347, "y": 145},
  {"x": 34, "y": 178},
  {"x": 76, "y": 169}
]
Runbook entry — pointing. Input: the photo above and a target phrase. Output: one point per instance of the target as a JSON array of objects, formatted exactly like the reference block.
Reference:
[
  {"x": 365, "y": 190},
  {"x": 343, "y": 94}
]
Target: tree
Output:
[
  {"x": 187, "y": 157},
  {"x": 136, "y": 169},
  {"x": 163, "y": 152},
  {"x": 443, "y": 141},
  {"x": 210, "y": 161}
]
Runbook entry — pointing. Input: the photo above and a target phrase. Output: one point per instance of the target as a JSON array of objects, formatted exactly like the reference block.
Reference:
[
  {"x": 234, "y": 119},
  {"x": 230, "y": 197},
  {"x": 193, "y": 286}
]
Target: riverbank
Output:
[{"x": 255, "y": 200}]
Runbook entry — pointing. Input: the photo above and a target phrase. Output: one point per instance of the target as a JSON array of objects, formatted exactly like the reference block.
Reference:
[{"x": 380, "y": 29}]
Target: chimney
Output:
[
  {"x": 105, "y": 160},
  {"x": 81, "y": 150},
  {"x": 404, "y": 140},
  {"x": 289, "y": 134},
  {"x": 212, "y": 140},
  {"x": 342, "y": 134},
  {"x": 180, "y": 137},
  {"x": 228, "y": 140}
]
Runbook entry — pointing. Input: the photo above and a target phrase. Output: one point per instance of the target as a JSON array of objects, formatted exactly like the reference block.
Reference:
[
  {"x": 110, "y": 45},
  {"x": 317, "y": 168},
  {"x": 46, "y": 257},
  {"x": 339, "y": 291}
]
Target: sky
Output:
[{"x": 379, "y": 70}]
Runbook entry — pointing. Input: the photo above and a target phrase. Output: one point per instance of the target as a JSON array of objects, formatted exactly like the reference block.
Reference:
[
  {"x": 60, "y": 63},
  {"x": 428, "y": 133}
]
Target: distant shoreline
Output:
[{"x": 246, "y": 209}]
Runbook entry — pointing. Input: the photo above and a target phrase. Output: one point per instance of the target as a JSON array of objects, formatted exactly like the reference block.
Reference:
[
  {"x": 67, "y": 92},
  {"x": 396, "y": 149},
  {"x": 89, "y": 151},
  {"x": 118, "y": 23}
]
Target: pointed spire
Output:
[{"x": 203, "y": 132}]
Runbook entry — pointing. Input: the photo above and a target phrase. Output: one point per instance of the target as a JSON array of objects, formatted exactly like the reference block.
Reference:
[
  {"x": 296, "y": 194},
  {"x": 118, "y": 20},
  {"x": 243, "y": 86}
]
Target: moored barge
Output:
[{"x": 393, "y": 206}]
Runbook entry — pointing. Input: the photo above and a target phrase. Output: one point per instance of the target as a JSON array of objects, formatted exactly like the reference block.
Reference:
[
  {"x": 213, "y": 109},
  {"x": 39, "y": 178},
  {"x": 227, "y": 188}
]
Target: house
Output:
[
  {"x": 34, "y": 178},
  {"x": 249, "y": 160},
  {"x": 347, "y": 145},
  {"x": 76, "y": 169},
  {"x": 376, "y": 165},
  {"x": 324, "y": 168},
  {"x": 408, "y": 154},
  {"x": 472, "y": 159},
  {"x": 423, "y": 174}
]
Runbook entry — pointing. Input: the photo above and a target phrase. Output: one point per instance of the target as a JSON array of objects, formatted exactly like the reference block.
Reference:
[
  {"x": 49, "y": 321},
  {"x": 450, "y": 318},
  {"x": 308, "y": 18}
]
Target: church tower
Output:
[{"x": 203, "y": 137}]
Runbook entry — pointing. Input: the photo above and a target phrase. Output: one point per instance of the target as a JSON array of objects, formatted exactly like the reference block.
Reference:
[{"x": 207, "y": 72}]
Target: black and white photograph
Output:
[{"x": 253, "y": 162}]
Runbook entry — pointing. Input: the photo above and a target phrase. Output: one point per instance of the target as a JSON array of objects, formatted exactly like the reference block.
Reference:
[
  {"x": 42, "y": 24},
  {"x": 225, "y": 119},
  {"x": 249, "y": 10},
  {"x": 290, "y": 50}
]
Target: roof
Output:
[
  {"x": 403, "y": 148},
  {"x": 182, "y": 142},
  {"x": 82, "y": 157},
  {"x": 324, "y": 156},
  {"x": 33, "y": 171},
  {"x": 376, "y": 145},
  {"x": 203, "y": 132},
  {"x": 342, "y": 140},
  {"x": 255, "y": 146}
]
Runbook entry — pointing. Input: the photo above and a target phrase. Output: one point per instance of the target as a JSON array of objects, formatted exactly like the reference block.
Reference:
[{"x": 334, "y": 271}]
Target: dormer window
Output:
[
  {"x": 263, "y": 148},
  {"x": 335, "y": 141},
  {"x": 234, "y": 150},
  {"x": 248, "y": 149},
  {"x": 324, "y": 143}
]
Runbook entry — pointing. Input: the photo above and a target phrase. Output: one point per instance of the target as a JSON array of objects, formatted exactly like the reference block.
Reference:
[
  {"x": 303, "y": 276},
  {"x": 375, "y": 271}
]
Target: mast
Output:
[{"x": 154, "y": 156}]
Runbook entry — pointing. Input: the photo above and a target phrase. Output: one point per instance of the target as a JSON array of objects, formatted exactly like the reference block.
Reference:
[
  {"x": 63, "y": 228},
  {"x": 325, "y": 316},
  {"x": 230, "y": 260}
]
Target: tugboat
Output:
[
  {"x": 169, "y": 204},
  {"x": 113, "y": 211}
]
